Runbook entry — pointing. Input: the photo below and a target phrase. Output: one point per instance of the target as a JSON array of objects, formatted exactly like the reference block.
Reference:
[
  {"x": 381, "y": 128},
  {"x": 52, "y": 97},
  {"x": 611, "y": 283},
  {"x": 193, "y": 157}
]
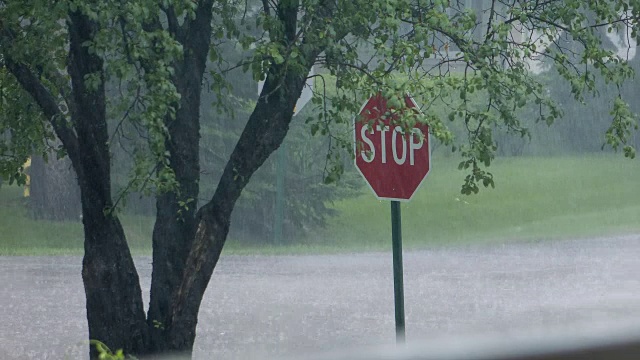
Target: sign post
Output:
[
  {"x": 398, "y": 283},
  {"x": 394, "y": 160}
]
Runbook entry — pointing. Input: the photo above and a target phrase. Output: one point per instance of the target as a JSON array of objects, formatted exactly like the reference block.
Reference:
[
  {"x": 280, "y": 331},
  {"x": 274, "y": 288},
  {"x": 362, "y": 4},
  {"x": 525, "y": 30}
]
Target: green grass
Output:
[
  {"x": 21, "y": 235},
  {"x": 534, "y": 199}
]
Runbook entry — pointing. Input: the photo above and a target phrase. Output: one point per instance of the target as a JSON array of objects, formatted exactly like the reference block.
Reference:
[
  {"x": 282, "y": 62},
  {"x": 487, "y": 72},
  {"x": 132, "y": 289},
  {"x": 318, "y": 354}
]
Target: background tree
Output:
[
  {"x": 439, "y": 51},
  {"x": 53, "y": 189},
  {"x": 306, "y": 197}
]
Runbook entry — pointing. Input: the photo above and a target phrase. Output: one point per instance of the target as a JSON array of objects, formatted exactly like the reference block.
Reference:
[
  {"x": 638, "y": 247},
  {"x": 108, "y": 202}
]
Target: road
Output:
[{"x": 273, "y": 306}]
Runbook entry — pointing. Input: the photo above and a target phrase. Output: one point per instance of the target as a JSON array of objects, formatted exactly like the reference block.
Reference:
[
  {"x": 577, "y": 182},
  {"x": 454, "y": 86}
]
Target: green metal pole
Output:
[
  {"x": 281, "y": 165},
  {"x": 398, "y": 286}
]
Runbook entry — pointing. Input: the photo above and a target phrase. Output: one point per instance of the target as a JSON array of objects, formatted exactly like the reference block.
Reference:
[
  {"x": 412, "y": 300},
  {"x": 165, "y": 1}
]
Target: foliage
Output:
[
  {"x": 23, "y": 131},
  {"x": 104, "y": 353},
  {"x": 492, "y": 49},
  {"x": 491, "y": 44}
]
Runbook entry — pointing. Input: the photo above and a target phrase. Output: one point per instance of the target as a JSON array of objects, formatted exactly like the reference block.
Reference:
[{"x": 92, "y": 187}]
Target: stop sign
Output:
[{"x": 394, "y": 162}]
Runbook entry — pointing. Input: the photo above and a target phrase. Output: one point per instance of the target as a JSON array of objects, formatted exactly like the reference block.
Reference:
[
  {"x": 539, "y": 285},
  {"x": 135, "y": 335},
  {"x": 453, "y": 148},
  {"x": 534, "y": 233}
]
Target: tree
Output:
[
  {"x": 305, "y": 197},
  {"x": 53, "y": 190},
  {"x": 440, "y": 51}
]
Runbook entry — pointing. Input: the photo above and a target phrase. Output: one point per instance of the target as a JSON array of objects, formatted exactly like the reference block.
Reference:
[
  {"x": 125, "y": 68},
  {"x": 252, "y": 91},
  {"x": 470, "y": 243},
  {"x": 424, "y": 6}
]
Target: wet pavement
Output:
[{"x": 274, "y": 306}]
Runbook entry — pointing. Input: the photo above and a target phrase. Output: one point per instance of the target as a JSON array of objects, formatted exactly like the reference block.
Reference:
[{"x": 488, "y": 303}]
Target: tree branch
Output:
[
  {"x": 47, "y": 103},
  {"x": 172, "y": 20}
]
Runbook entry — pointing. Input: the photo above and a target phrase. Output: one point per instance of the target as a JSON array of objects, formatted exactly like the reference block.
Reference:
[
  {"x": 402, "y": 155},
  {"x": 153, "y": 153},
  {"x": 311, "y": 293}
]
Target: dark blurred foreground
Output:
[{"x": 619, "y": 343}]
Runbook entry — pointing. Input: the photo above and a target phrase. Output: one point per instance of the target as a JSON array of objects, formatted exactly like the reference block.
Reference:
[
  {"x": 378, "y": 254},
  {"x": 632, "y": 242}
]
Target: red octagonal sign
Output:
[{"x": 393, "y": 163}]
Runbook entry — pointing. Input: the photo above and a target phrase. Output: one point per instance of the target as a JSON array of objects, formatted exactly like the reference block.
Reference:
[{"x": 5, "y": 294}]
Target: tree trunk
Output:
[
  {"x": 174, "y": 228},
  {"x": 263, "y": 134},
  {"x": 115, "y": 312}
]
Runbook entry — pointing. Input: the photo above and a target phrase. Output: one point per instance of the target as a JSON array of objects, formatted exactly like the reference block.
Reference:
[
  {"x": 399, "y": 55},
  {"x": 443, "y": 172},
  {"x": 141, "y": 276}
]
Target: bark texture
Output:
[
  {"x": 175, "y": 224},
  {"x": 115, "y": 312},
  {"x": 263, "y": 134}
]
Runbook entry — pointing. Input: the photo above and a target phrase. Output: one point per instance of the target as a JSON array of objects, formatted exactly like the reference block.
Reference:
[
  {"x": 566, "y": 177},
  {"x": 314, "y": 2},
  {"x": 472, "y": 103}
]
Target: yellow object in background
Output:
[{"x": 27, "y": 184}]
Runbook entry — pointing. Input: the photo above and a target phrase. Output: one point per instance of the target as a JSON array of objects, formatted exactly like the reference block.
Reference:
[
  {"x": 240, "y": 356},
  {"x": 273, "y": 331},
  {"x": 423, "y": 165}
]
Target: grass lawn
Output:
[
  {"x": 534, "y": 199},
  {"x": 21, "y": 235}
]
